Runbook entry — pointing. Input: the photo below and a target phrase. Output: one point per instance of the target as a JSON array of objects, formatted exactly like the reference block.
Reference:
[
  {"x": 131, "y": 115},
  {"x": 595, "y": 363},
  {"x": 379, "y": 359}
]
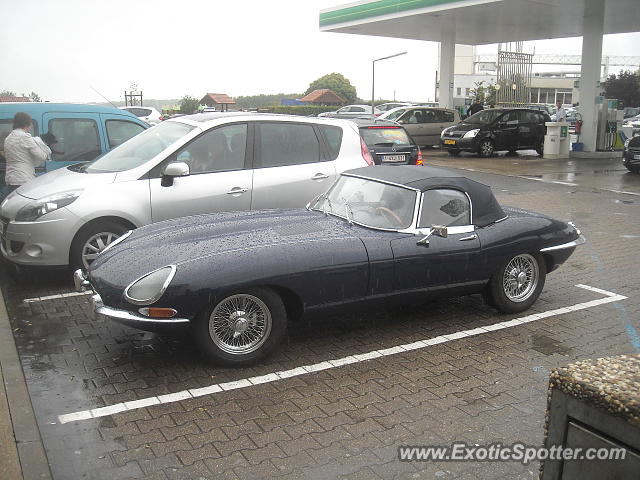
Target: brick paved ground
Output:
[{"x": 345, "y": 422}]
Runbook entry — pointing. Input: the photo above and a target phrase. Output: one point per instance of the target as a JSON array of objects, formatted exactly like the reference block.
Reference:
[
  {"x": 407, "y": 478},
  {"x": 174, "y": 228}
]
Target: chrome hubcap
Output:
[
  {"x": 520, "y": 278},
  {"x": 95, "y": 245},
  {"x": 240, "y": 324}
]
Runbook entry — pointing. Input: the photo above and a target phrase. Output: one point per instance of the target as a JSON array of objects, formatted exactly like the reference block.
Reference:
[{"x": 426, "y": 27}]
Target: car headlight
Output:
[
  {"x": 444, "y": 132},
  {"x": 37, "y": 208},
  {"x": 150, "y": 287},
  {"x": 471, "y": 133},
  {"x": 626, "y": 143}
]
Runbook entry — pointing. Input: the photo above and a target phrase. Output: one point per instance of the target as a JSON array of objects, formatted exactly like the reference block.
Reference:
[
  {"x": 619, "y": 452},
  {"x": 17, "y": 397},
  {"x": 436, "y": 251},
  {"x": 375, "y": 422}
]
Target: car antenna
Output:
[{"x": 91, "y": 87}]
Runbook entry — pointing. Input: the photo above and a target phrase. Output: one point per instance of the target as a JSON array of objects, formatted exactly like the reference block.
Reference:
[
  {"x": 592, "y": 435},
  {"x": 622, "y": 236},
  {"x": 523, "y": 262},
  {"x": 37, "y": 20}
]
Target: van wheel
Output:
[
  {"x": 91, "y": 240},
  {"x": 540, "y": 149},
  {"x": 486, "y": 148},
  {"x": 242, "y": 328}
]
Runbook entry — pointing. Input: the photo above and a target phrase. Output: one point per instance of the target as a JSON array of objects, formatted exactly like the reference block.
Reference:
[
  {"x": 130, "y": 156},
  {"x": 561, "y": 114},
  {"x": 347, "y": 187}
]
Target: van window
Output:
[
  {"x": 333, "y": 136},
  {"x": 138, "y": 111},
  {"x": 444, "y": 207},
  {"x": 140, "y": 149},
  {"x": 444, "y": 116},
  {"x": 287, "y": 144},
  {"x": 78, "y": 139},
  {"x": 216, "y": 150},
  {"x": 119, "y": 131}
]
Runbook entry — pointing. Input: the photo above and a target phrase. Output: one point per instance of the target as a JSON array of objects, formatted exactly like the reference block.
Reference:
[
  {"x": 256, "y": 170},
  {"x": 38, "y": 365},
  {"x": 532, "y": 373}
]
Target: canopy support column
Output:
[
  {"x": 590, "y": 72},
  {"x": 447, "y": 63}
]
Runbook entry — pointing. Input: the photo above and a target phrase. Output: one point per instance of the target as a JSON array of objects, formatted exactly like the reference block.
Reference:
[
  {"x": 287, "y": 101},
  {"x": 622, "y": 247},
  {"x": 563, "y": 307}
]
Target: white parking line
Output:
[
  {"x": 338, "y": 362},
  {"x": 53, "y": 297}
]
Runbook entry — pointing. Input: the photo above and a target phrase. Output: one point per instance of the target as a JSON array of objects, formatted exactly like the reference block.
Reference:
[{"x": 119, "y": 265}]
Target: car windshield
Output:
[
  {"x": 139, "y": 149},
  {"x": 393, "y": 114},
  {"x": 369, "y": 203},
  {"x": 384, "y": 136},
  {"x": 484, "y": 117}
]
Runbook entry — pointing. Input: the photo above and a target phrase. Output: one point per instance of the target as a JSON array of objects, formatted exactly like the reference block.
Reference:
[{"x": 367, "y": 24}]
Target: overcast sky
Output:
[{"x": 171, "y": 48}]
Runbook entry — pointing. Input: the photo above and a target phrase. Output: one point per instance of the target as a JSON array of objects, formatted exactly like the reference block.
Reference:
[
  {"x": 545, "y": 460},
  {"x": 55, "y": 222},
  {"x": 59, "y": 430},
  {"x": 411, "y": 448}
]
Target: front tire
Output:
[
  {"x": 242, "y": 328},
  {"x": 93, "y": 239},
  {"x": 486, "y": 147},
  {"x": 517, "y": 284}
]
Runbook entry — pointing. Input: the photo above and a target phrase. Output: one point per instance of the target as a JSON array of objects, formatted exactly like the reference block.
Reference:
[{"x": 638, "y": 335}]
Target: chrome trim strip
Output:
[
  {"x": 125, "y": 315},
  {"x": 578, "y": 241},
  {"x": 157, "y": 296},
  {"x": 118, "y": 240}
]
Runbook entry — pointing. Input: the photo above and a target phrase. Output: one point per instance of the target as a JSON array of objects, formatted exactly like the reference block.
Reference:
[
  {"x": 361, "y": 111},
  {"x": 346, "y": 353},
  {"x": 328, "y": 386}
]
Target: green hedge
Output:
[{"x": 304, "y": 110}]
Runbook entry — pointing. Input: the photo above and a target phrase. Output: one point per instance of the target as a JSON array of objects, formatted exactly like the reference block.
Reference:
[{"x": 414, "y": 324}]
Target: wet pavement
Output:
[{"x": 348, "y": 421}]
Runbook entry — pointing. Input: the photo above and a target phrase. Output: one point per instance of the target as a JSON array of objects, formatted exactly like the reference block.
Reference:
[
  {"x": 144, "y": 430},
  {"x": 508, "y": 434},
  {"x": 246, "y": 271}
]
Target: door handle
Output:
[
  {"x": 237, "y": 190},
  {"x": 473, "y": 236},
  {"x": 319, "y": 176}
]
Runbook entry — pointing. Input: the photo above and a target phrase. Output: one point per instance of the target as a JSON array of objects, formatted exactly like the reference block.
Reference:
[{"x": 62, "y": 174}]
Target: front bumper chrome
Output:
[
  {"x": 578, "y": 241},
  {"x": 125, "y": 317}
]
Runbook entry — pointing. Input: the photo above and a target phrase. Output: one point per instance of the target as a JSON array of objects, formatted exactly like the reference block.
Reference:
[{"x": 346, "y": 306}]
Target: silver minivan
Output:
[
  {"x": 424, "y": 124},
  {"x": 194, "y": 164}
]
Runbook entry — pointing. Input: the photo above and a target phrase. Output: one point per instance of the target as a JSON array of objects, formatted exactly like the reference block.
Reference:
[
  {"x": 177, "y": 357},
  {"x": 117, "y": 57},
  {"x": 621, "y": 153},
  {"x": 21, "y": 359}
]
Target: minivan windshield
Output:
[
  {"x": 484, "y": 117},
  {"x": 139, "y": 149}
]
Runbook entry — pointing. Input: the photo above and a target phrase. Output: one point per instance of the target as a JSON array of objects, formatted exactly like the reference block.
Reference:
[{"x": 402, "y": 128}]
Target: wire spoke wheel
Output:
[
  {"x": 240, "y": 324},
  {"x": 520, "y": 278},
  {"x": 95, "y": 245}
]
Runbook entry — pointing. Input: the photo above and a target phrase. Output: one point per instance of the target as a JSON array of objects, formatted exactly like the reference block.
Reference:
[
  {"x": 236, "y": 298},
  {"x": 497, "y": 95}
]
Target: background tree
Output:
[
  {"x": 336, "y": 82},
  {"x": 189, "y": 104},
  {"x": 486, "y": 93},
  {"x": 625, "y": 86},
  {"x": 7, "y": 93}
]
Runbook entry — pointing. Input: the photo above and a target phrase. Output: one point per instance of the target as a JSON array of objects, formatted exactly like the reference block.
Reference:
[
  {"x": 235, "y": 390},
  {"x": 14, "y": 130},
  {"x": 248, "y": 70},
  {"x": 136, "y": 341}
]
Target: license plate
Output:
[
  {"x": 636, "y": 157},
  {"x": 449, "y": 142},
  {"x": 393, "y": 158}
]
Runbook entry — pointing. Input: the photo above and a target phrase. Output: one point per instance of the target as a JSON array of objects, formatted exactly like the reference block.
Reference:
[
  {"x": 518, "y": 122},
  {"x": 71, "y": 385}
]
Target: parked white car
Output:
[
  {"x": 352, "y": 111},
  {"x": 148, "y": 114},
  {"x": 188, "y": 165}
]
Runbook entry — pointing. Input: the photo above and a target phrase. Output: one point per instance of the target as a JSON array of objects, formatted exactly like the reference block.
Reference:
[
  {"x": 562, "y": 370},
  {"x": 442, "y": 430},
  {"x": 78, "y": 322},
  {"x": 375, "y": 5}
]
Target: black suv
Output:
[
  {"x": 631, "y": 156},
  {"x": 496, "y": 129},
  {"x": 389, "y": 143}
]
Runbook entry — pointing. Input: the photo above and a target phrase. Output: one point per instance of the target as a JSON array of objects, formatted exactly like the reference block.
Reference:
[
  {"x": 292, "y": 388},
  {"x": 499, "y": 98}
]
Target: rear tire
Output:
[
  {"x": 242, "y": 328},
  {"x": 91, "y": 240},
  {"x": 517, "y": 284},
  {"x": 485, "y": 149}
]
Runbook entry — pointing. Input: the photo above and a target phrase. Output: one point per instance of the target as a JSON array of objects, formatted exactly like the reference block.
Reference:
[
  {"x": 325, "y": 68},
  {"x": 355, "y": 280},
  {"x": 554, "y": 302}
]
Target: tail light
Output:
[
  {"x": 419, "y": 159},
  {"x": 366, "y": 154}
]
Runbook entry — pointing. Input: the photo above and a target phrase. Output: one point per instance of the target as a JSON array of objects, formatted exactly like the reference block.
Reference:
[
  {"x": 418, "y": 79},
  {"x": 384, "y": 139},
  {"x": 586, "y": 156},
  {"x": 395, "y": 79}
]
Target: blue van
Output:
[{"x": 83, "y": 132}]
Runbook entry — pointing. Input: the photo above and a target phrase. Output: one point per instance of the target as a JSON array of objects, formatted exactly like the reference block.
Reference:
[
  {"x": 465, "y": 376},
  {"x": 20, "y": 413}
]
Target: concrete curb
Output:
[{"x": 31, "y": 457}]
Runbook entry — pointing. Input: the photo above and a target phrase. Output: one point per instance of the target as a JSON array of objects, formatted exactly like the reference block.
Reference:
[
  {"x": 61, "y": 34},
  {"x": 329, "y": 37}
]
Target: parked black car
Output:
[
  {"x": 389, "y": 143},
  {"x": 631, "y": 155},
  {"x": 378, "y": 235},
  {"x": 497, "y": 129}
]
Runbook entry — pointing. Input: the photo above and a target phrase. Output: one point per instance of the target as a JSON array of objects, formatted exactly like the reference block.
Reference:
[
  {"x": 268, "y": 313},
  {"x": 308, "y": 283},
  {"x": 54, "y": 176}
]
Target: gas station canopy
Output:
[{"x": 476, "y": 22}]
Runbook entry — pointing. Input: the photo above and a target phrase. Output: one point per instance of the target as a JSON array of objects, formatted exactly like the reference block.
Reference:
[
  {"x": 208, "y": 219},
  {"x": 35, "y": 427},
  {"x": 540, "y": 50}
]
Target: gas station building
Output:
[{"x": 481, "y": 22}]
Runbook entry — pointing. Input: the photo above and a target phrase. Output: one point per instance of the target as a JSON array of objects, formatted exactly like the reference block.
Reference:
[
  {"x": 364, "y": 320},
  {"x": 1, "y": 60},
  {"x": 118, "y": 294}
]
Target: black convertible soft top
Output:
[{"x": 485, "y": 207}]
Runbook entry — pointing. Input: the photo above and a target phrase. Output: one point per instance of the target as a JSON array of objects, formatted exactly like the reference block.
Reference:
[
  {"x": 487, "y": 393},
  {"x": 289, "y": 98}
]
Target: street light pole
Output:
[{"x": 373, "y": 78}]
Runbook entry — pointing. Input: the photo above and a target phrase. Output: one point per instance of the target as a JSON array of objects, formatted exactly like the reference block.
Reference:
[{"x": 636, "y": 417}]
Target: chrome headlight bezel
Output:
[
  {"x": 35, "y": 209},
  {"x": 162, "y": 287}
]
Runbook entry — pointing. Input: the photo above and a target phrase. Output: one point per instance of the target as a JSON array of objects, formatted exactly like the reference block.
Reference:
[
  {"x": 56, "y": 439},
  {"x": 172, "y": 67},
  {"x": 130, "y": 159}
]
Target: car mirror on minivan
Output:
[{"x": 174, "y": 169}]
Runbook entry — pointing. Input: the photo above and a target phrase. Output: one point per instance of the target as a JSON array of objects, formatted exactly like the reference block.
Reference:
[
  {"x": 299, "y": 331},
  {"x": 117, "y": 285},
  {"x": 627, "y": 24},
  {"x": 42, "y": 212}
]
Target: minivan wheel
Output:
[
  {"x": 242, "y": 328},
  {"x": 486, "y": 148},
  {"x": 91, "y": 240},
  {"x": 540, "y": 150}
]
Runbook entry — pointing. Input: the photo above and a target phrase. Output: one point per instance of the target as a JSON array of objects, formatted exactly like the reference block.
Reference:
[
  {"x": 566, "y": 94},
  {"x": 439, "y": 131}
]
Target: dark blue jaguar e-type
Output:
[{"x": 378, "y": 234}]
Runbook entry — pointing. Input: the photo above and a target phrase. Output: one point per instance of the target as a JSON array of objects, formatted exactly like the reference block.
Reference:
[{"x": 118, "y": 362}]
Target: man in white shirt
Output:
[
  {"x": 561, "y": 113},
  {"x": 23, "y": 152}
]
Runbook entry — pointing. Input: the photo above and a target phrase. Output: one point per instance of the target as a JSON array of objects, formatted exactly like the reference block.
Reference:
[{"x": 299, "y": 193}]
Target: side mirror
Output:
[
  {"x": 174, "y": 169},
  {"x": 437, "y": 230}
]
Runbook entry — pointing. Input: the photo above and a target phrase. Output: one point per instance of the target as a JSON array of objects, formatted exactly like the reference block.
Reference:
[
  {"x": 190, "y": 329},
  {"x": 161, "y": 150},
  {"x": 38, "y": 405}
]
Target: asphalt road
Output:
[{"x": 345, "y": 421}]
